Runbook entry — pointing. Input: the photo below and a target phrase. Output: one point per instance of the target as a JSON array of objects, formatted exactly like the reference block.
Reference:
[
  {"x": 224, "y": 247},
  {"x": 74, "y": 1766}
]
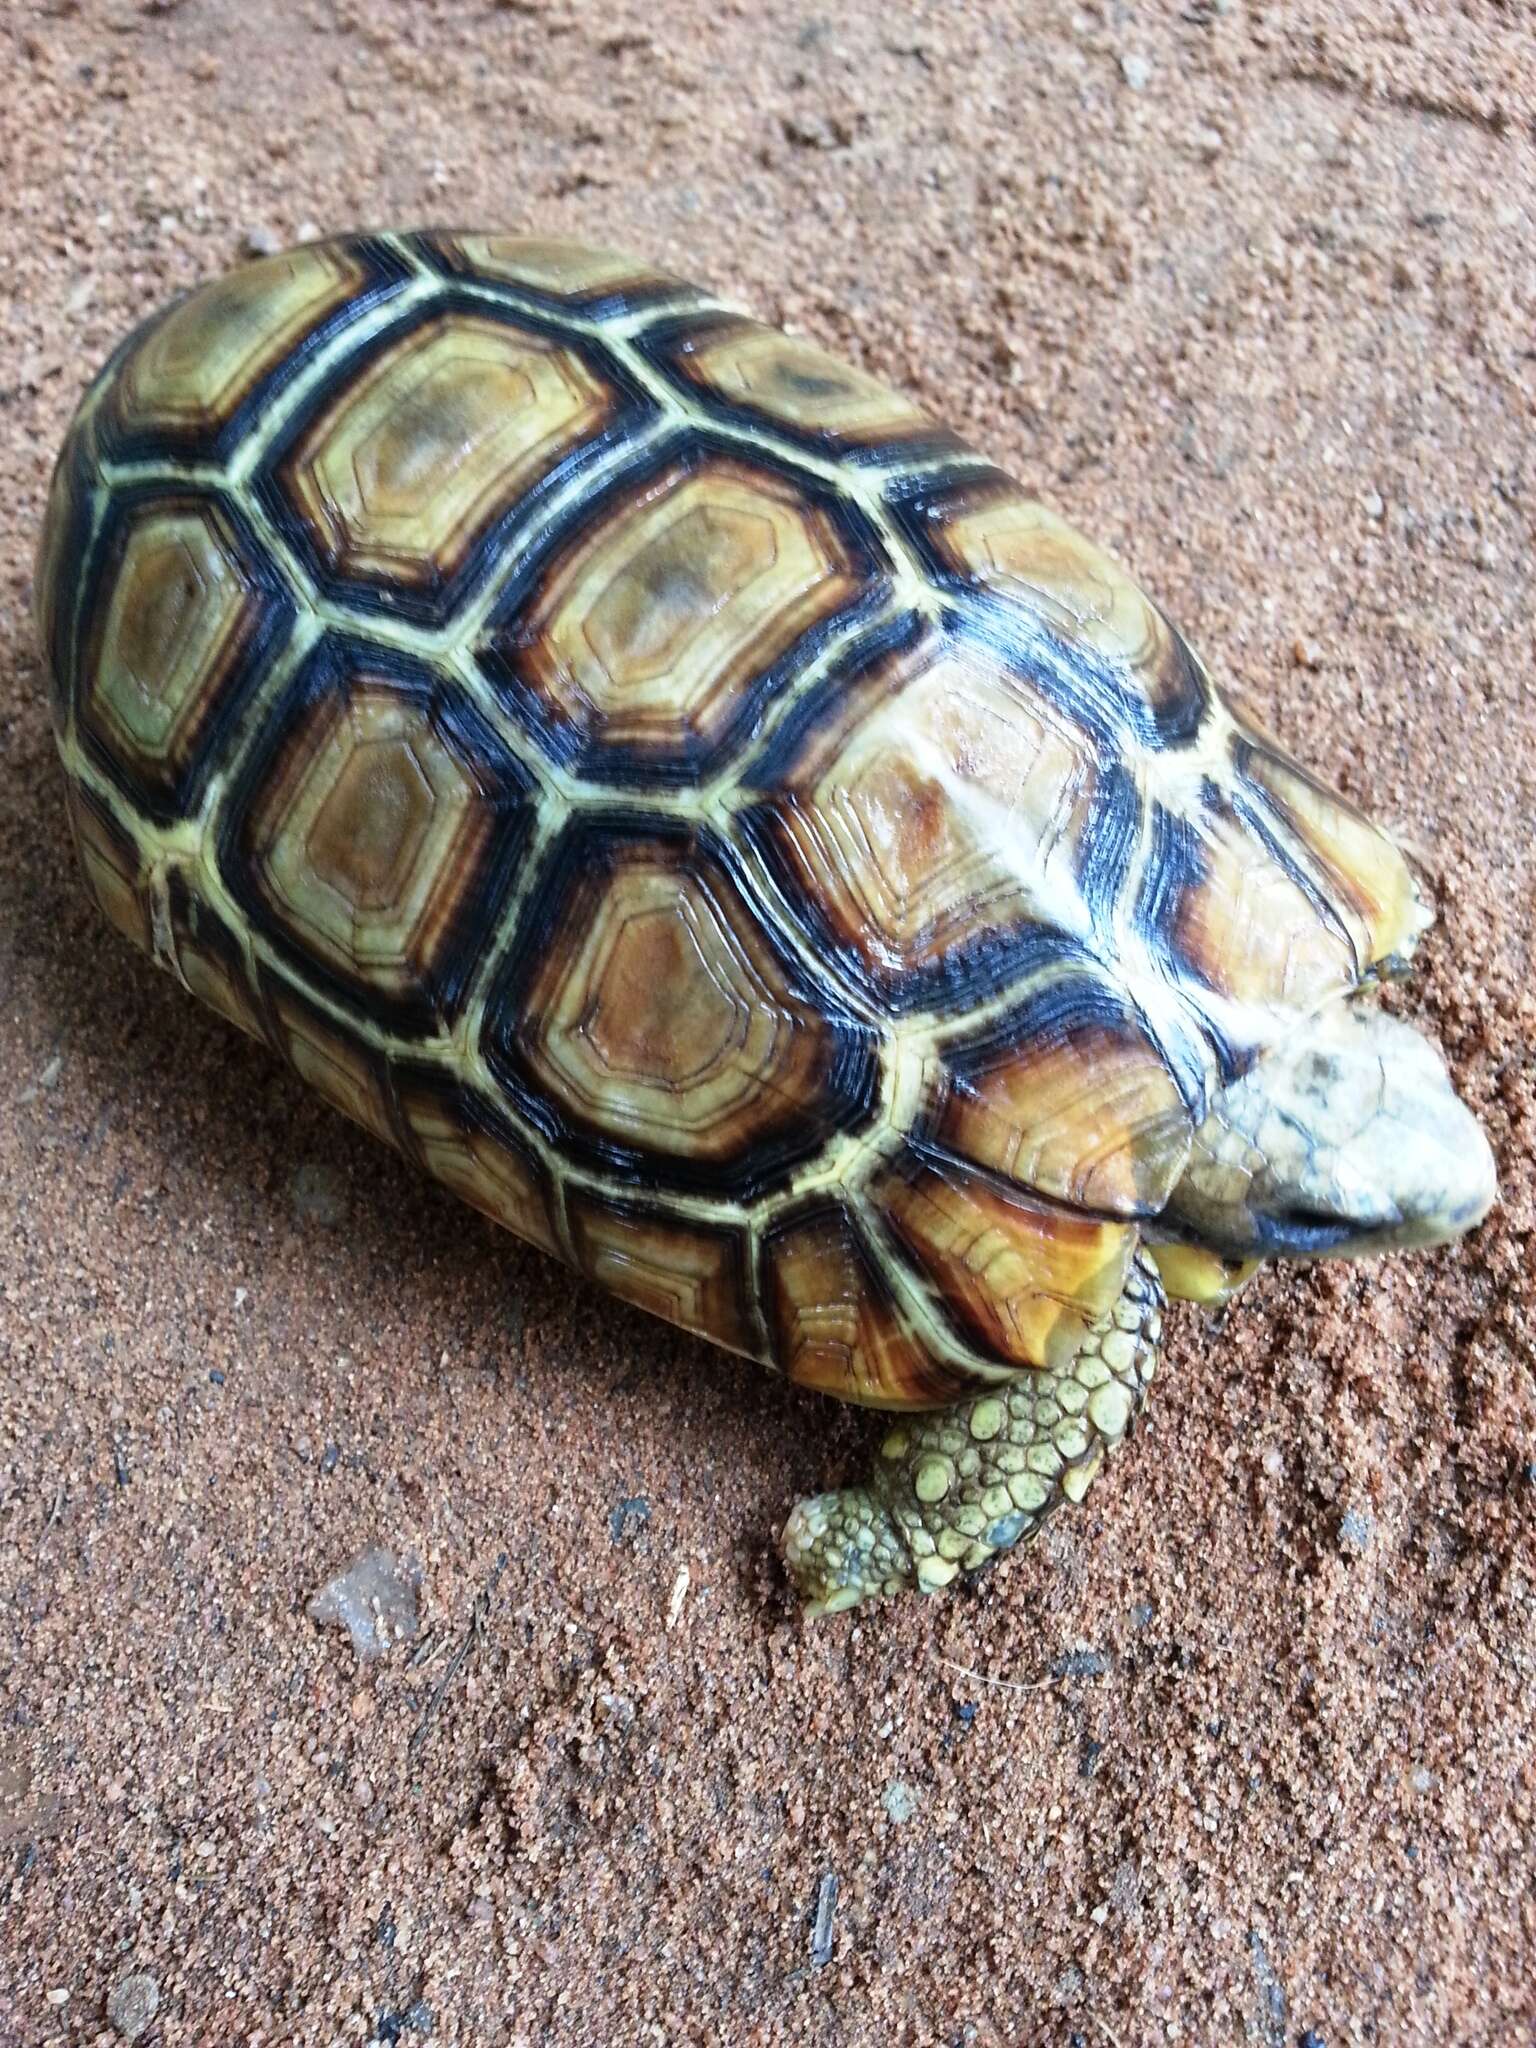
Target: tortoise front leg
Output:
[{"x": 953, "y": 1488}]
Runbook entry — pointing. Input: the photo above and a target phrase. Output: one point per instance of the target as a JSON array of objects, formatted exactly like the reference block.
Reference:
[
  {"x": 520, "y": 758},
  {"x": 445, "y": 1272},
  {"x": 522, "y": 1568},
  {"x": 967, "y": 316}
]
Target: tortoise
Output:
[{"x": 691, "y": 803}]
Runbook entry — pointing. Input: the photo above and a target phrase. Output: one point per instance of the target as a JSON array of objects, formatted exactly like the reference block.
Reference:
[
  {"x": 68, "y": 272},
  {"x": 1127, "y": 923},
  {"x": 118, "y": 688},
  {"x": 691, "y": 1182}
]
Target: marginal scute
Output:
[
  {"x": 417, "y": 453},
  {"x": 210, "y": 959},
  {"x": 378, "y": 831},
  {"x": 333, "y": 1062},
  {"x": 655, "y": 633},
  {"x": 112, "y": 867},
  {"x": 988, "y": 533},
  {"x": 1023, "y": 1279},
  {"x": 55, "y": 582},
  {"x": 570, "y": 271},
  {"x": 1242, "y": 922},
  {"x": 1069, "y": 1094},
  {"x": 935, "y": 814},
  {"x": 193, "y": 368},
  {"x": 649, "y": 1007},
  {"x": 790, "y": 384},
  {"x": 1369, "y": 881},
  {"x": 689, "y": 1273},
  {"x": 837, "y": 1327},
  {"x": 463, "y": 1143}
]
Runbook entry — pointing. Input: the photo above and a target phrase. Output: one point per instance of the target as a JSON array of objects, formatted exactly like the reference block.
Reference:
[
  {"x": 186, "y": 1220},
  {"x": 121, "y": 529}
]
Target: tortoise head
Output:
[{"x": 1346, "y": 1140}]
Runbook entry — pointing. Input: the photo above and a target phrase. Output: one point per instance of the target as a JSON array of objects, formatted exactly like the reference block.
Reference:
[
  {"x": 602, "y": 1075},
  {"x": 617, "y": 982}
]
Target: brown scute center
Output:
[
  {"x": 434, "y": 429},
  {"x": 368, "y": 833},
  {"x": 167, "y": 593},
  {"x": 660, "y": 1012},
  {"x": 674, "y": 586}
]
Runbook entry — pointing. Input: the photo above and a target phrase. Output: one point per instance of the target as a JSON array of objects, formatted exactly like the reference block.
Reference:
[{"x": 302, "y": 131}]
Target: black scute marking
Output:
[
  {"x": 1175, "y": 867},
  {"x": 1109, "y": 843}
]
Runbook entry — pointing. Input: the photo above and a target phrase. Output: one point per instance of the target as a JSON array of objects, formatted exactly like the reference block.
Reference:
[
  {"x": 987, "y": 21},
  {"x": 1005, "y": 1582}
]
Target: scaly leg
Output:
[{"x": 953, "y": 1488}]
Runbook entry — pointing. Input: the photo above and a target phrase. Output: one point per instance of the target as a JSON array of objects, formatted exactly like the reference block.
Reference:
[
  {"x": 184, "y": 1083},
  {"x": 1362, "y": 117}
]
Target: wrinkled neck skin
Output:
[{"x": 1347, "y": 1141}]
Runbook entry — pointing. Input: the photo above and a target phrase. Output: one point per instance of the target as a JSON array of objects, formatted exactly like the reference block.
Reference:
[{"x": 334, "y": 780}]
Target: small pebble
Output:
[
  {"x": 821, "y": 1926},
  {"x": 899, "y": 1801},
  {"x": 481, "y": 1912},
  {"x": 1209, "y": 142},
  {"x": 318, "y": 1194},
  {"x": 1136, "y": 71},
  {"x": 1356, "y": 1530},
  {"x": 678, "y": 1595},
  {"x": 259, "y": 241},
  {"x": 373, "y": 1599},
  {"x": 1080, "y": 1664},
  {"x": 1375, "y": 504},
  {"x": 132, "y": 2004},
  {"x": 628, "y": 1518},
  {"x": 362, "y": 1791}
]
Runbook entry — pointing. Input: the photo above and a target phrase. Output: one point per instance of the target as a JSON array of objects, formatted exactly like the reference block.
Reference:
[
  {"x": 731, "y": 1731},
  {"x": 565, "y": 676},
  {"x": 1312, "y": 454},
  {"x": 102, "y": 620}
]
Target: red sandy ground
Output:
[{"x": 1261, "y": 316}]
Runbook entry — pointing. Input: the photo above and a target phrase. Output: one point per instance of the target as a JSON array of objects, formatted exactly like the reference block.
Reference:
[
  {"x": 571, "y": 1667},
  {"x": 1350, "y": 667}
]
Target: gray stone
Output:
[
  {"x": 132, "y": 2004},
  {"x": 373, "y": 1599}
]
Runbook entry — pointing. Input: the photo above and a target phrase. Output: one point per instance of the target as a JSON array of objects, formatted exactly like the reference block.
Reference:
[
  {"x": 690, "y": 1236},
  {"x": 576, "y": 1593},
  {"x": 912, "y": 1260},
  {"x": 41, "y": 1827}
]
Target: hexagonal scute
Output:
[
  {"x": 985, "y": 532},
  {"x": 690, "y": 1274},
  {"x": 835, "y": 1323},
  {"x": 649, "y": 1022},
  {"x": 183, "y": 610},
  {"x": 681, "y": 602},
  {"x": 790, "y": 386},
  {"x": 191, "y": 370},
  {"x": 940, "y": 823},
  {"x": 394, "y": 480},
  {"x": 569, "y": 273},
  {"x": 374, "y": 833}
]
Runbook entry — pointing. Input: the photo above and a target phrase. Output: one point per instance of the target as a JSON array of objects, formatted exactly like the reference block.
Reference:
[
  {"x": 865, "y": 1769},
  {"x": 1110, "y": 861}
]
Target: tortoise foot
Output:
[
  {"x": 842, "y": 1548},
  {"x": 954, "y": 1488}
]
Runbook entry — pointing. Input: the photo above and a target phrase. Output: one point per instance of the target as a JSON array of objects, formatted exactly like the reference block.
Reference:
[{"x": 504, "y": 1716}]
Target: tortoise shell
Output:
[{"x": 678, "y": 793}]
